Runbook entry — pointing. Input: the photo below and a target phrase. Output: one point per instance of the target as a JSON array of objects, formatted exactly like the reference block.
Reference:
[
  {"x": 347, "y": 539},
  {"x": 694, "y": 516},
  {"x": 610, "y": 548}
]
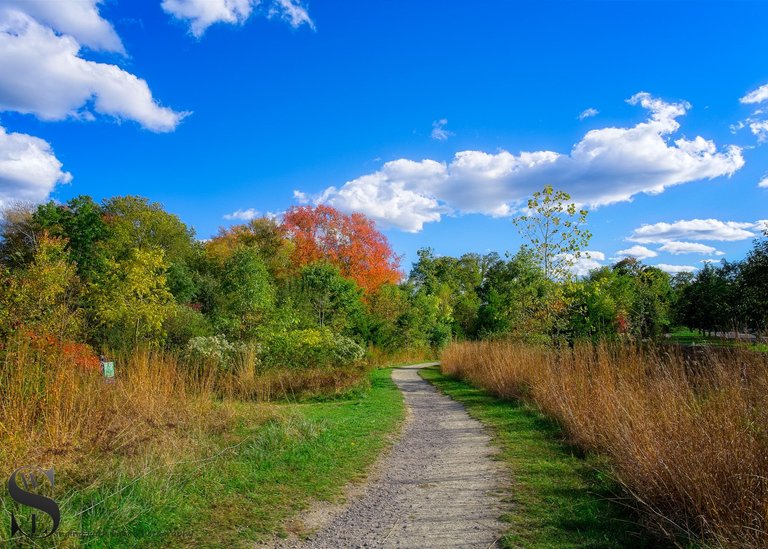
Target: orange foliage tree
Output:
[{"x": 350, "y": 242}]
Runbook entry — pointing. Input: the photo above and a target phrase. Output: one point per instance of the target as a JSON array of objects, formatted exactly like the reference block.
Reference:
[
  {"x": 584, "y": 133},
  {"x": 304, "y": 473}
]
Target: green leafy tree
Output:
[
  {"x": 553, "y": 226},
  {"x": 131, "y": 300},
  {"x": 595, "y": 306},
  {"x": 456, "y": 283},
  {"x": 753, "y": 286},
  {"x": 515, "y": 297},
  {"x": 42, "y": 297},
  {"x": 246, "y": 295},
  {"x": 333, "y": 300},
  {"x": 136, "y": 223},
  {"x": 384, "y": 308},
  {"x": 650, "y": 315},
  {"x": 81, "y": 222}
]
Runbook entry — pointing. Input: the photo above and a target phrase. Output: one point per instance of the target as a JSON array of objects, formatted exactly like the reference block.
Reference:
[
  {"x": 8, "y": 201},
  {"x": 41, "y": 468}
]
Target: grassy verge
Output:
[
  {"x": 243, "y": 483},
  {"x": 560, "y": 499},
  {"x": 685, "y": 336}
]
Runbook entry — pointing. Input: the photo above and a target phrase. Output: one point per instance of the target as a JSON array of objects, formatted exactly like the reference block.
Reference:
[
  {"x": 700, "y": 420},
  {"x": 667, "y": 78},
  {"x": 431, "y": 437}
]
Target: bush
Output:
[
  {"x": 211, "y": 351},
  {"x": 312, "y": 348},
  {"x": 185, "y": 323}
]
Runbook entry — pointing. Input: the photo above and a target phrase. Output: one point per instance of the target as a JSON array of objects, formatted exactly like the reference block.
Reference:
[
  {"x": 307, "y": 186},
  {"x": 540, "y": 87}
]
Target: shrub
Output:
[
  {"x": 185, "y": 323},
  {"x": 213, "y": 351},
  {"x": 312, "y": 348}
]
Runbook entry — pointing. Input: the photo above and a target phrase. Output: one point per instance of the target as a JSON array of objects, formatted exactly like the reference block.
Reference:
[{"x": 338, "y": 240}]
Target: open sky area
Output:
[{"x": 436, "y": 118}]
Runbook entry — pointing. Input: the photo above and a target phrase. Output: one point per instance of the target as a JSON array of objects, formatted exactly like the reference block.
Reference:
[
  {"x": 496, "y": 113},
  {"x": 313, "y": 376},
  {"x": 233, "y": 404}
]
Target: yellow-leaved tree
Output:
[{"x": 132, "y": 299}]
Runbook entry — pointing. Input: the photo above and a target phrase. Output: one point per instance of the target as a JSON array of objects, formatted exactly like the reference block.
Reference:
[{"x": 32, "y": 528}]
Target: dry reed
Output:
[
  {"x": 685, "y": 431},
  {"x": 54, "y": 410}
]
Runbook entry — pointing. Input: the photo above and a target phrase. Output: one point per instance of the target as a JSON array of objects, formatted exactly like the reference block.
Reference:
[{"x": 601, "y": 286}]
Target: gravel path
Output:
[{"x": 438, "y": 486}]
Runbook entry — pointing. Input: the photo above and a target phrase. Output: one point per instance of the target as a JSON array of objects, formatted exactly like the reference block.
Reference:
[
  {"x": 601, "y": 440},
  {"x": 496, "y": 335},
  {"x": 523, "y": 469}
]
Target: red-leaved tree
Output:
[{"x": 351, "y": 242}]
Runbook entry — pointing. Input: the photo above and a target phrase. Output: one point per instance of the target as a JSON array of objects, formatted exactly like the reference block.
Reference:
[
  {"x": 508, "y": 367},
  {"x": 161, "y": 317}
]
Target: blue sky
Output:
[{"x": 437, "y": 118}]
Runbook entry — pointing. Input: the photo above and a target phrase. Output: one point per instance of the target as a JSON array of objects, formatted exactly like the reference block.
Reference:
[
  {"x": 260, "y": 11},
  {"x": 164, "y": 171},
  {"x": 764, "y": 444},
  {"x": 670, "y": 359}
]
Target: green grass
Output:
[
  {"x": 685, "y": 336},
  {"x": 558, "y": 497},
  {"x": 308, "y": 451}
]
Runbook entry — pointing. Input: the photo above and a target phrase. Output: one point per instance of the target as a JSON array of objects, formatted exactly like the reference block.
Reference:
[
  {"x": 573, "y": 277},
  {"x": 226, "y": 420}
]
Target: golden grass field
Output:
[{"x": 684, "y": 431}]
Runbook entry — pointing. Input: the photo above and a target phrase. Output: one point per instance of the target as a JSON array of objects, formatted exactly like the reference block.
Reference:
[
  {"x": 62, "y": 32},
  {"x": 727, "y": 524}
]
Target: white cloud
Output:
[
  {"x": 608, "y": 165},
  {"x": 756, "y": 96},
  {"x": 44, "y": 75},
  {"x": 383, "y": 195},
  {"x": 639, "y": 252},
  {"x": 77, "y": 18},
  {"x": 756, "y": 123},
  {"x": 675, "y": 269},
  {"x": 763, "y": 183},
  {"x": 589, "y": 261},
  {"x": 588, "y": 113},
  {"x": 201, "y": 14},
  {"x": 293, "y": 12},
  {"x": 693, "y": 229},
  {"x": 242, "y": 215},
  {"x": 28, "y": 168},
  {"x": 439, "y": 132},
  {"x": 759, "y": 128},
  {"x": 678, "y": 248}
]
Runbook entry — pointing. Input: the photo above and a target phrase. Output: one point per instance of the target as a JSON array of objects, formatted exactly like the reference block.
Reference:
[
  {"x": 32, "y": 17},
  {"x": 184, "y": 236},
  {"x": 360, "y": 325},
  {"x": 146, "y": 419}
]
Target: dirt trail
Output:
[{"x": 437, "y": 487}]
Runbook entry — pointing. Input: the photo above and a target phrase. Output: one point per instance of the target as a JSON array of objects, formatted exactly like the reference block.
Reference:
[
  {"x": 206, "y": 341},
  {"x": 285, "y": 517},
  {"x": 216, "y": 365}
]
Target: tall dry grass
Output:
[
  {"x": 54, "y": 409},
  {"x": 378, "y": 357},
  {"x": 685, "y": 431}
]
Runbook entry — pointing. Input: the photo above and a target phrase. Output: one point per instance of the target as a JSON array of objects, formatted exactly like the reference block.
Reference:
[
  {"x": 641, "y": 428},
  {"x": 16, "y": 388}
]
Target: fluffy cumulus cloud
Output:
[
  {"x": 201, "y": 14},
  {"x": 588, "y": 113},
  {"x": 677, "y": 248},
  {"x": 763, "y": 184},
  {"x": 675, "y": 269},
  {"x": 694, "y": 229},
  {"x": 439, "y": 130},
  {"x": 78, "y": 18},
  {"x": 28, "y": 168},
  {"x": 386, "y": 195},
  {"x": 638, "y": 252},
  {"x": 242, "y": 215},
  {"x": 756, "y": 96},
  {"x": 44, "y": 75},
  {"x": 608, "y": 165},
  {"x": 589, "y": 261}
]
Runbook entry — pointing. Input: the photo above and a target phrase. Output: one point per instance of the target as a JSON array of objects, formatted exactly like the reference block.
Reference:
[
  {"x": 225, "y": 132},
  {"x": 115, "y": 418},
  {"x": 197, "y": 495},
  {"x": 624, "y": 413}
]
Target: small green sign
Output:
[{"x": 108, "y": 369}]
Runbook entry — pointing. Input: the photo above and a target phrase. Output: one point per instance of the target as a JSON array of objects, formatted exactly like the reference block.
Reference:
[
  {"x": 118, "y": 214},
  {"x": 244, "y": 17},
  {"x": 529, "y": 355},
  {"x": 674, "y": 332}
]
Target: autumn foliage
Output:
[
  {"x": 68, "y": 352},
  {"x": 350, "y": 242}
]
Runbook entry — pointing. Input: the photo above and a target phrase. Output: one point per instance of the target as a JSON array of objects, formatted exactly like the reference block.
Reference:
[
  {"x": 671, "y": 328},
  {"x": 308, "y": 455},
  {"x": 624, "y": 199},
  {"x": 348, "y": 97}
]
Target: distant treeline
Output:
[
  {"x": 126, "y": 273},
  {"x": 487, "y": 297}
]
